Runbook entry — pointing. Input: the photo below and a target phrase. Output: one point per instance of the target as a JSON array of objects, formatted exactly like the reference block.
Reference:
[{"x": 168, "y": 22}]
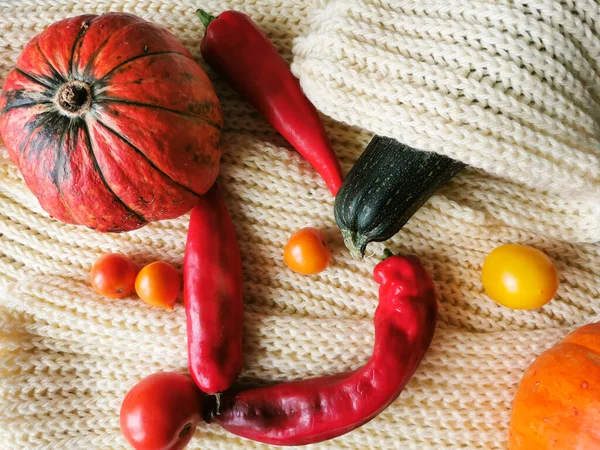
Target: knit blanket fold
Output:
[{"x": 509, "y": 87}]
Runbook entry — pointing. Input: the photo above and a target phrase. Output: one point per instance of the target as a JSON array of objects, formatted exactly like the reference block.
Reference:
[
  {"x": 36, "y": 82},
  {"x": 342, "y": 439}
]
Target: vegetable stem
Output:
[
  {"x": 355, "y": 243},
  {"x": 205, "y": 17},
  {"x": 218, "y": 400}
]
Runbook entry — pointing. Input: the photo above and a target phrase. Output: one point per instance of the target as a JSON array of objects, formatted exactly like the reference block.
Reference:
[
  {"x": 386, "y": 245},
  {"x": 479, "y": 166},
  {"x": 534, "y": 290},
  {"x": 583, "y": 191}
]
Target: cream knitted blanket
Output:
[{"x": 511, "y": 87}]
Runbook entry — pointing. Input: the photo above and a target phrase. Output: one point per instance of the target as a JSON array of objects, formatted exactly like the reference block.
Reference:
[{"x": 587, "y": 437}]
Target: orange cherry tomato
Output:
[
  {"x": 519, "y": 277},
  {"x": 158, "y": 284},
  {"x": 161, "y": 412},
  {"x": 113, "y": 275},
  {"x": 307, "y": 251}
]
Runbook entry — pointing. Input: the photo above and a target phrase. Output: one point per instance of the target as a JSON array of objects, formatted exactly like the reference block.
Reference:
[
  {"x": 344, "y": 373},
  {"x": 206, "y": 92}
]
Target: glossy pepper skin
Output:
[
  {"x": 305, "y": 412},
  {"x": 212, "y": 284},
  {"x": 240, "y": 52}
]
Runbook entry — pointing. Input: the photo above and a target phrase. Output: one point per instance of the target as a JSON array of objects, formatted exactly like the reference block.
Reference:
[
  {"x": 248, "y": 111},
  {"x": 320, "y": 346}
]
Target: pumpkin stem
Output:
[
  {"x": 74, "y": 98},
  {"x": 205, "y": 17}
]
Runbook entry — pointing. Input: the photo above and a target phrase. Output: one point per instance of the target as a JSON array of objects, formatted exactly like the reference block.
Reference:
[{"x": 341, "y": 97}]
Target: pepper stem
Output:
[
  {"x": 205, "y": 17},
  {"x": 387, "y": 253},
  {"x": 218, "y": 399}
]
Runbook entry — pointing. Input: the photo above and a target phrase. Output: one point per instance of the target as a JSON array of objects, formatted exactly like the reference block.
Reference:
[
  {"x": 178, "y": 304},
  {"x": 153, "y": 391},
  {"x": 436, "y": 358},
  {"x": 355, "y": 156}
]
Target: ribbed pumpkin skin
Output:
[{"x": 111, "y": 122}]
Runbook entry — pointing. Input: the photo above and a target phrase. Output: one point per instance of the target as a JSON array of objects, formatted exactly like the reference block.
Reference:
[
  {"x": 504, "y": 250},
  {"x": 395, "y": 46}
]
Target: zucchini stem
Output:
[{"x": 355, "y": 243}]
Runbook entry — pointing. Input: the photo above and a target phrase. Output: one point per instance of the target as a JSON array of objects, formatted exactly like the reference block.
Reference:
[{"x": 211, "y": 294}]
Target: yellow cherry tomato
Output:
[
  {"x": 158, "y": 284},
  {"x": 519, "y": 277},
  {"x": 307, "y": 251}
]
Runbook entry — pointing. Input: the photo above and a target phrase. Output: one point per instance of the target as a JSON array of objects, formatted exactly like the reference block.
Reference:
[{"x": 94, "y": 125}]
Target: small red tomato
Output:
[
  {"x": 113, "y": 275},
  {"x": 161, "y": 412},
  {"x": 307, "y": 251},
  {"x": 158, "y": 284}
]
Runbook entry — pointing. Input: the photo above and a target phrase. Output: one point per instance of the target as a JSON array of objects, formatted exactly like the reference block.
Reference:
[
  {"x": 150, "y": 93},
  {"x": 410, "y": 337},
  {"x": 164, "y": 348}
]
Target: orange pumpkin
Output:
[{"x": 557, "y": 405}]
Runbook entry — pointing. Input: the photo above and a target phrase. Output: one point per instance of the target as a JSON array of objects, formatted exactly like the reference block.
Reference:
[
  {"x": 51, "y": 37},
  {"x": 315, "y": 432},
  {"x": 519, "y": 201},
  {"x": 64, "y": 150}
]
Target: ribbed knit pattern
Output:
[
  {"x": 509, "y": 86},
  {"x": 427, "y": 72}
]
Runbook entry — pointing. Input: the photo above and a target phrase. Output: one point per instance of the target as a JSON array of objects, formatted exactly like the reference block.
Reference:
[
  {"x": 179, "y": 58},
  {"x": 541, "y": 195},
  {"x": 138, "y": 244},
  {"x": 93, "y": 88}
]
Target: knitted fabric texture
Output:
[
  {"x": 508, "y": 86},
  {"x": 528, "y": 117}
]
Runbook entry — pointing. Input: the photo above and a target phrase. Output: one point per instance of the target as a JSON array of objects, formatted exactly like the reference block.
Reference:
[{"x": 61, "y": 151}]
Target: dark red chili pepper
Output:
[
  {"x": 212, "y": 285},
  {"x": 304, "y": 412},
  {"x": 239, "y": 51}
]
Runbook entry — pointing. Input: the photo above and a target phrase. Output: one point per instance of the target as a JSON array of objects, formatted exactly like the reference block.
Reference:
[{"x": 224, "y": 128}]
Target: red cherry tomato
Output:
[
  {"x": 113, "y": 275},
  {"x": 161, "y": 412}
]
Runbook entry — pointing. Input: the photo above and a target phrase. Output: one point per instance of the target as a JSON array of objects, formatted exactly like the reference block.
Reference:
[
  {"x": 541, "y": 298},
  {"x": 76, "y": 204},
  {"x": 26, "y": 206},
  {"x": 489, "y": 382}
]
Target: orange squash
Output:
[{"x": 557, "y": 405}]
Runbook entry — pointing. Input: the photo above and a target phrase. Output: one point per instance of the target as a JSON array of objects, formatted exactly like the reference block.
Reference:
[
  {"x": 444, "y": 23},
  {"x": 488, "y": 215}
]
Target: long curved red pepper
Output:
[
  {"x": 239, "y": 51},
  {"x": 305, "y": 412},
  {"x": 212, "y": 286}
]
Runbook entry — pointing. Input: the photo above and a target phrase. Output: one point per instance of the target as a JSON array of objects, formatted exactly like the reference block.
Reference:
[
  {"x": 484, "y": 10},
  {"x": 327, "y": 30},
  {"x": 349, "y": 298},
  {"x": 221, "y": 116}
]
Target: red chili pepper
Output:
[
  {"x": 305, "y": 412},
  {"x": 239, "y": 51},
  {"x": 212, "y": 284}
]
